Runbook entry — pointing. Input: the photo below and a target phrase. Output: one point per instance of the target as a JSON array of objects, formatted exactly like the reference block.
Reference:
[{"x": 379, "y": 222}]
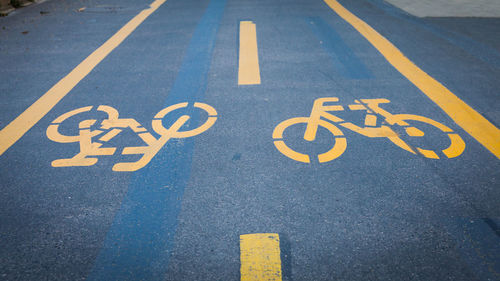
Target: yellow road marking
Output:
[
  {"x": 248, "y": 70},
  {"x": 428, "y": 153},
  {"x": 457, "y": 149},
  {"x": 371, "y": 120},
  {"x": 260, "y": 257},
  {"x": 465, "y": 116},
  {"x": 19, "y": 126},
  {"x": 113, "y": 125}
]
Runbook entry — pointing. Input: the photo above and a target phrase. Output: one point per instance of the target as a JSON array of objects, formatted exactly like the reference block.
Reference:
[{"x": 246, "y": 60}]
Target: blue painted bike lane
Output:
[{"x": 140, "y": 241}]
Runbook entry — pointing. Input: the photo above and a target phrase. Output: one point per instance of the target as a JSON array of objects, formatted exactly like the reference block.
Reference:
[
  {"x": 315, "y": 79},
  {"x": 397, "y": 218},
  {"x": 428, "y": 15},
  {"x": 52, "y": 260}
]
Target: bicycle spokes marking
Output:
[
  {"x": 321, "y": 116},
  {"x": 91, "y": 141}
]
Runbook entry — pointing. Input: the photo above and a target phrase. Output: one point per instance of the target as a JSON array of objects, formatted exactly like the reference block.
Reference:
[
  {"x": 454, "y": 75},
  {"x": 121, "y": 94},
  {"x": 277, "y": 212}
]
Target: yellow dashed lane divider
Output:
[
  {"x": 465, "y": 116},
  {"x": 248, "y": 70},
  {"x": 260, "y": 257}
]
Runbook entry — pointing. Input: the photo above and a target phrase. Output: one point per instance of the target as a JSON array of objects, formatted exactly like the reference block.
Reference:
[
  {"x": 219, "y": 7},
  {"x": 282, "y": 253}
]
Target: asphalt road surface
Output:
[{"x": 248, "y": 140}]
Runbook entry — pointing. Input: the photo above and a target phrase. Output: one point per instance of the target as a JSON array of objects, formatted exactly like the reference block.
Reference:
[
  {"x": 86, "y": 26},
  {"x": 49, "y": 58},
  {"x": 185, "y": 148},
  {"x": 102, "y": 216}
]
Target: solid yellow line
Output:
[
  {"x": 19, "y": 126},
  {"x": 248, "y": 71},
  {"x": 260, "y": 257},
  {"x": 465, "y": 116}
]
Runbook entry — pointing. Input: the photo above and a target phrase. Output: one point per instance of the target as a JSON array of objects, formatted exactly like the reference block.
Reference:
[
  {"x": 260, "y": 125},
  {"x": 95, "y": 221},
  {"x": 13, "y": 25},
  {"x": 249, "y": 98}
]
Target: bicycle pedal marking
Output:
[
  {"x": 321, "y": 116},
  {"x": 90, "y": 141}
]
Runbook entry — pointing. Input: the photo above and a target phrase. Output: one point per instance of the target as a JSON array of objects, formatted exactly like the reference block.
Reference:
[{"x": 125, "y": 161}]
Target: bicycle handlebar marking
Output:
[
  {"x": 320, "y": 117},
  {"x": 113, "y": 125}
]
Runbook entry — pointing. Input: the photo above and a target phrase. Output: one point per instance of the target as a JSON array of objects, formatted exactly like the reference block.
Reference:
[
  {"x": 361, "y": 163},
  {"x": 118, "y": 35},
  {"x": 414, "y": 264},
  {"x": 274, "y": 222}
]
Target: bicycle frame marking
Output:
[
  {"x": 113, "y": 125},
  {"x": 321, "y": 116}
]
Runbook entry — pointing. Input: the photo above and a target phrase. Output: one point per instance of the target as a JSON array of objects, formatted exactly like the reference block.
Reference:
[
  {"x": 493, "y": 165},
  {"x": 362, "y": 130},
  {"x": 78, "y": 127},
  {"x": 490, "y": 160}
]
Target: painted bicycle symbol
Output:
[
  {"x": 113, "y": 125},
  {"x": 320, "y": 116}
]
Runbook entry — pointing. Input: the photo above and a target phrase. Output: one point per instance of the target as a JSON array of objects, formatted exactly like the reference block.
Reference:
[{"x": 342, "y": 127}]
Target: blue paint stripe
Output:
[
  {"x": 344, "y": 59},
  {"x": 477, "y": 49},
  {"x": 140, "y": 241}
]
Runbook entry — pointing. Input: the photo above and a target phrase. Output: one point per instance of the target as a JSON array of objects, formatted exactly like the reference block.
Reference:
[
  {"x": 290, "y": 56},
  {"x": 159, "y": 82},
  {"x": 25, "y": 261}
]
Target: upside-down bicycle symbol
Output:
[
  {"x": 113, "y": 125},
  {"x": 320, "y": 117}
]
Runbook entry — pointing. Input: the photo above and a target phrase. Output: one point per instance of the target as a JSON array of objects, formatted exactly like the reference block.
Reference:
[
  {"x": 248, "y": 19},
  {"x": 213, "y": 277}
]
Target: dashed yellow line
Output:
[
  {"x": 19, "y": 126},
  {"x": 248, "y": 70},
  {"x": 465, "y": 116},
  {"x": 260, "y": 257}
]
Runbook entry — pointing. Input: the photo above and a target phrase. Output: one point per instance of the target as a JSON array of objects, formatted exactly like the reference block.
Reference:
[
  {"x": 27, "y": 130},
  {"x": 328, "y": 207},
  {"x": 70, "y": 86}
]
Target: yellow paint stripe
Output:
[
  {"x": 465, "y": 116},
  {"x": 248, "y": 70},
  {"x": 260, "y": 257},
  {"x": 19, "y": 126}
]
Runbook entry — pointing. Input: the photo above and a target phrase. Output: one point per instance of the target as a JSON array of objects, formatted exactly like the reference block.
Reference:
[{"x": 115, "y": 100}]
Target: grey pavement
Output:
[
  {"x": 449, "y": 8},
  {"x": 376, "y": 212}
]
